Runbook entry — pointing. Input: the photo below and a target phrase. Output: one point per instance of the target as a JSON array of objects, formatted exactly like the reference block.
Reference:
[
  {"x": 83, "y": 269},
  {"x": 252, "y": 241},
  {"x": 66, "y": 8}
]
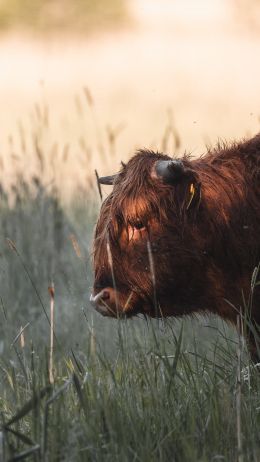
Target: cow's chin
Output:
[
  {"x": 113, "y": 311},
  {"x": 120, "y": 306}
]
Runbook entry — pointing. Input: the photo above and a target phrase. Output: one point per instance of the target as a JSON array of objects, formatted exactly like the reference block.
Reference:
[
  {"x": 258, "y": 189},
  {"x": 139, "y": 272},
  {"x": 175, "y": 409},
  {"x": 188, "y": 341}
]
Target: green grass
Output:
[
  {"x": 79, "y": 16},
  {"x": 123, "y": 390},
  {"x": 148, "y": 399}
]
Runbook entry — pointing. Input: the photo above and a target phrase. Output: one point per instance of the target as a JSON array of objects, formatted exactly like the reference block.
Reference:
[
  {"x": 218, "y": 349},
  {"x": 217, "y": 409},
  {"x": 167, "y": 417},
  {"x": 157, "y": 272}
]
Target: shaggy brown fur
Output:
[{"x": 204, "y": 235}]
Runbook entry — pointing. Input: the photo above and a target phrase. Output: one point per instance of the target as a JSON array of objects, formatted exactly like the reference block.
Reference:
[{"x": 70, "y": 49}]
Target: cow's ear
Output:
[
  {"x": 193, "y": 195},
  {"x": 181, "y": 176}
]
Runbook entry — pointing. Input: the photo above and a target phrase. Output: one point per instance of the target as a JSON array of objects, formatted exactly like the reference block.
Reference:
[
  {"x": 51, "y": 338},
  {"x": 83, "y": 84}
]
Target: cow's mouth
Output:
[{"x": 111, "y": 303}]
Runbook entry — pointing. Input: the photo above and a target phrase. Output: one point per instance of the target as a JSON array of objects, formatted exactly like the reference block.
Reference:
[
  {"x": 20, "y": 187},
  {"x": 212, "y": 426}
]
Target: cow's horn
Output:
[
  {"x": 107, "y": 179},
  {"x": 169, "y": 170}
]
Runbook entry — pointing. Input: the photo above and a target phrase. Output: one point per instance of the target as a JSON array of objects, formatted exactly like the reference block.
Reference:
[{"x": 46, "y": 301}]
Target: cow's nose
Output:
[
  {"x": 103, "y": 295},
  {"x": 103, "y": 300}
]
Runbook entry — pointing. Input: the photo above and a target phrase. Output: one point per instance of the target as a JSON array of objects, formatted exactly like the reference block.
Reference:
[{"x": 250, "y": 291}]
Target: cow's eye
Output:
[
  {"x": 138, "y": 224},
  {"x": 136, "y": 228}
]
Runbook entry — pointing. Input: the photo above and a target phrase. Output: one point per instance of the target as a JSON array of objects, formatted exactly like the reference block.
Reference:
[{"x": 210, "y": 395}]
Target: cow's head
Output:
[{"x": 147, "y": 256}]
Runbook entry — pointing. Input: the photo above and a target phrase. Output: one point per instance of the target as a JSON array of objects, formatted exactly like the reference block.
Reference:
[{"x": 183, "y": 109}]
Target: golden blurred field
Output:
[{"x": 189, "y": 66}]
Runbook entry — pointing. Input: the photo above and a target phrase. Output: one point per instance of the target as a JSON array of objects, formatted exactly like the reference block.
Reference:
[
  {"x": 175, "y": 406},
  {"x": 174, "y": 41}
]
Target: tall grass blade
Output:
[
  {"x": 29, "y": 405},
  {"x": 25, "y": 454},
  {"x": 25, "y": 439}
]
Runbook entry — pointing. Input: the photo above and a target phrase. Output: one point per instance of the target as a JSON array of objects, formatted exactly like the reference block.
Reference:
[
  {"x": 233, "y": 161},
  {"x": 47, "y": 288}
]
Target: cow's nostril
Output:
[{"x": 105, "y": 295}]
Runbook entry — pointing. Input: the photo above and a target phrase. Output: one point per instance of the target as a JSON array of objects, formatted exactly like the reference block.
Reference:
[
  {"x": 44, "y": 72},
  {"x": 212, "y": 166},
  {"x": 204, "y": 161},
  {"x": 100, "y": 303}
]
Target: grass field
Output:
[{"x": 108, "y": 390}]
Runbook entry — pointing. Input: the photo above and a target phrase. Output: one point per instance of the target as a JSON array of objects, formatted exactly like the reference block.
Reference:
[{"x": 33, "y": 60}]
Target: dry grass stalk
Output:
[
  {"x": 109, "y": 256},
  {"x": 20, "y": 333},
  {"x": 110, "y": 262},
  {"x": 11, "y": 244},
  {"x": 152, "y": 271},
  {"x": 22, "y": 340},
  {"x": 76, "y": 246},
  {"x": 51, "y": 369},
  {"x": 88, "y": 96}
]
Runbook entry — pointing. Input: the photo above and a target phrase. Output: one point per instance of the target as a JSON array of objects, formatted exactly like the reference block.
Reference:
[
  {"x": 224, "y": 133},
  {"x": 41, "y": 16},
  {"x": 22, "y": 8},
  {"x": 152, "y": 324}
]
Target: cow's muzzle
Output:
[{"x": 105, "y": 302}]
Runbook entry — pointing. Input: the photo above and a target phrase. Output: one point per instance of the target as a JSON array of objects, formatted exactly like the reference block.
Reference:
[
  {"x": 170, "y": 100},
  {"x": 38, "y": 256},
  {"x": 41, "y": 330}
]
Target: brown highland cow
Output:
[{"x": 179, "y": 236}]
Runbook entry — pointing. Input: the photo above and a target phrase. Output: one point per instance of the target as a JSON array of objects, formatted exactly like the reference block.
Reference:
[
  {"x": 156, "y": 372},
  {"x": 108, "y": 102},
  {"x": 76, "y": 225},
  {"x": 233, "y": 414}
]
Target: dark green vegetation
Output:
[{"x": 50, "y": 16}]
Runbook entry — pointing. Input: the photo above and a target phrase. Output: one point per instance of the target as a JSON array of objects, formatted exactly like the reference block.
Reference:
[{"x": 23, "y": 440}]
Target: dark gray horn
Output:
[
  {"x": 169, "y": 170},
  {"x": 107, "y": 179}
]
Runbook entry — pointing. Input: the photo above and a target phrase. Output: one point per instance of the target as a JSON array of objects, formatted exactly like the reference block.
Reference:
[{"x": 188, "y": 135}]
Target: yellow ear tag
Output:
[{"x": 192, "y": 192}]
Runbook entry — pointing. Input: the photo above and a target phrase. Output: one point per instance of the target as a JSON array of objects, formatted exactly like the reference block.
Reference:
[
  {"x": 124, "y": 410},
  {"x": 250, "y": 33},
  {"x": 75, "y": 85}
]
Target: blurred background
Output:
[{"x": 96, "y": 80}]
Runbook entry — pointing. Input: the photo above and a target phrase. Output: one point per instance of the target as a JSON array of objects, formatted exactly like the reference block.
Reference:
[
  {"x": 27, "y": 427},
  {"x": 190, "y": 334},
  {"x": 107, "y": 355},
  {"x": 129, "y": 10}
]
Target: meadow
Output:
[{"x": 74, "y": 385}]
